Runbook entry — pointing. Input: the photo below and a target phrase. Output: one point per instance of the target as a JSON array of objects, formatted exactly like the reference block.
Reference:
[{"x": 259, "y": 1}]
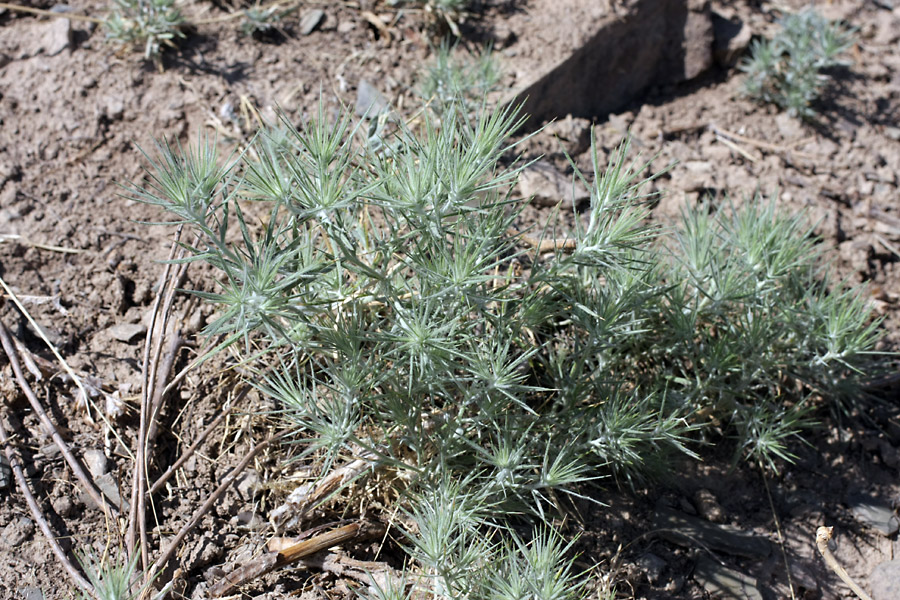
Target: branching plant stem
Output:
[
  {"x": 16, "y": 465},
  {"x": 49, "y": 426},
  {"x": 169, "y": 551}
]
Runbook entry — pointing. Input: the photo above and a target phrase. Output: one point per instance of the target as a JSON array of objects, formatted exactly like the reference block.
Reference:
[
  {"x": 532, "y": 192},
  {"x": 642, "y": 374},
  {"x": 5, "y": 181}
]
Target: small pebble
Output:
[
  {"x": 311, "y": 20},
  {"x": 708, "y": 506},
  {"x": 18, "y": 531},
  {"x": 127, "y": 332},
  {"x": 63, "y": 506},
  {"x": 95, "y": 461}
]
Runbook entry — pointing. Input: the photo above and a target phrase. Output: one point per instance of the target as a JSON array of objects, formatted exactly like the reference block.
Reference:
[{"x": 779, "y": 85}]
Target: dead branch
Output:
[
  {"x": 50, "y": 427},
  {"x": 16, "y": 465},
  {"x": 167, "y": 554}
]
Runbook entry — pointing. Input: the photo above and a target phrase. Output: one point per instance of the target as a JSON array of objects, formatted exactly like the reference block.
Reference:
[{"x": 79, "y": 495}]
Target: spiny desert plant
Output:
[
  {"x": 112, "y": 578},
  {"x": 445, "y": 14},
  {"x": 146, "y": 23},
  {"x": 447, "y": 80},
  {"x": 788, "y": 69},
  {"x": 390, "y": 306},
  {"x": 262, "y": 20}
]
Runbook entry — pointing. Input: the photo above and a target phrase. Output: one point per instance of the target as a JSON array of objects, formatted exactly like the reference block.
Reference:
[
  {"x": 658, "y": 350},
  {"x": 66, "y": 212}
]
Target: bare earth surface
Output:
[{"x": 73, "y": 111}]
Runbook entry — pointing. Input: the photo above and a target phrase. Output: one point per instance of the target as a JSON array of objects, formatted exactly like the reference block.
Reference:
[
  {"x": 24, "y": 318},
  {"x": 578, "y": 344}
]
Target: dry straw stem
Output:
[
  {"x": 823, "y": 535},
  {"x": 137, "y": 519},
  {"x": 272, "y": 560},
  {"x": 49, "y": 13},
  {"x": 307, "y": 496}
]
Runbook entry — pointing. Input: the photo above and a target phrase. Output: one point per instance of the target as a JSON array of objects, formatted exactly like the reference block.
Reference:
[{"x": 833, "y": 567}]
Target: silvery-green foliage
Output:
[
  {"x": 146, "y": 23},
  {"x": 113, "y": 578},
  {"x": 388, "y": 304},
  {"x": 447, "y": 80},
  {"x": 788, "y": 69}
]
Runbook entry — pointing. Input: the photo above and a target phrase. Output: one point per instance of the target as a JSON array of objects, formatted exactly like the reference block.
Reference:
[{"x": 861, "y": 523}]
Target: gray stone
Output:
[
  {"x": 884, "y": 581},
  {"x": 50, "y": 450},
  {"x": 652, "y": 565},
  {"x": 370, "y": 102},
  {"x": 127, "y": 332},
  {"x": 722, "y": 582},
  {"x": 208, "y": 548},
  {"x": 685, "y": 530},
  {"x": 95, "y": 461},
  {"x": 114, "y": 108},
  {"x": 31, "y": 593},
  {"x": 109, "y": 487},
  {"x": 574, "y": 134},
  {"x": 548, "y": 187},
  {"x": 311, "y": 20},
  {"x": 18, "y": 531},
  {"x": 616, "y": 57},
  {"x": 875, "y": 514},
  {"x": 247, "y": 484}
]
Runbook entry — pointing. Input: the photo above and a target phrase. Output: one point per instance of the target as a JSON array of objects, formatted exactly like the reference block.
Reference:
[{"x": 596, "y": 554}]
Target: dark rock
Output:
[
  {"x": 205, "y": 551},
  {"x": 5, "y": 473},
  {"x": 652, "y": 565},
  {"x": 884, "y": 581},
  {"x": 722, "y": 582},
  {"x": 574, "y": 134},
  {"x": 17, "y": 531},
  {"x": 685, "y": 530}
]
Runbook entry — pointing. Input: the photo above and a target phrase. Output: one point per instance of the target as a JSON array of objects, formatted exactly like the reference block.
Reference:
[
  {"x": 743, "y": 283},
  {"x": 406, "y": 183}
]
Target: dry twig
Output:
[
  {"x": 49, "y": 426},
  {"x": 16, "y": 465},
  {"x": 823, "y": 535},
  {"x": 167, "y": 554},
  {"x": 307, "y": 496}
]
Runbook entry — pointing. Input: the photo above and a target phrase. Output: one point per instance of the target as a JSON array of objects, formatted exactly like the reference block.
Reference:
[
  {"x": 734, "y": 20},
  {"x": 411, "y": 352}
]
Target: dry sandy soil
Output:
[{"x": 73, "y": 112}]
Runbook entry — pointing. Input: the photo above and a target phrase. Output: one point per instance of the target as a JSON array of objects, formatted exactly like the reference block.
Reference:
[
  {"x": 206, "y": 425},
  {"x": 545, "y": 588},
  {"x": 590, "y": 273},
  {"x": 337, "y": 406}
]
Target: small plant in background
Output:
[
  {"x": 113, "y": 578},
  {"x": 447, "y": 80},
  {"x": 445, "y": 14},
  {"x": 392, "y": 310},
  {"x": 264, "y": 20},
  {"x": 149, "y": 24},
  {"x": 788, "y": 69}
]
